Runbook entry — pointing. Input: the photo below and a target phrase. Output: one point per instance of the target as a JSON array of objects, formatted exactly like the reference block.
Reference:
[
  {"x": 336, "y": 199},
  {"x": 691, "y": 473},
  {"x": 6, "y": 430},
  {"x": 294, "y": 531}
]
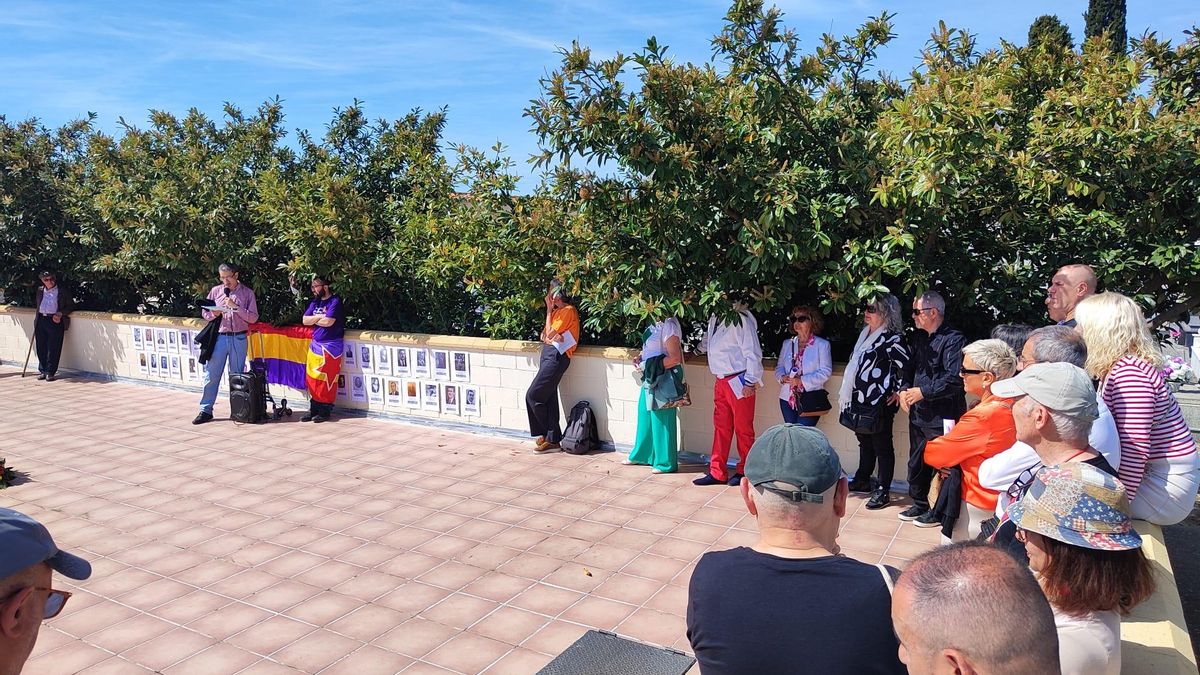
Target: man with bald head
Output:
[
  {"x": 1069, "y": 286},
  {"x": 28, "y": 559},
  {"x": 972, "y": 608}
]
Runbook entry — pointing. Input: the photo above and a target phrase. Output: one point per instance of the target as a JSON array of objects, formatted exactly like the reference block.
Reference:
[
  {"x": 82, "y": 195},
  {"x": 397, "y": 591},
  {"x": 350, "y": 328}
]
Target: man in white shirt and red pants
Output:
[{"x": 735, "y": 359}]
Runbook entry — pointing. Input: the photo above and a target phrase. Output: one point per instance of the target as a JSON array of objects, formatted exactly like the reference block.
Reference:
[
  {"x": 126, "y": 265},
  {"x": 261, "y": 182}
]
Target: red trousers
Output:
[{"x": 730, "y": 415}]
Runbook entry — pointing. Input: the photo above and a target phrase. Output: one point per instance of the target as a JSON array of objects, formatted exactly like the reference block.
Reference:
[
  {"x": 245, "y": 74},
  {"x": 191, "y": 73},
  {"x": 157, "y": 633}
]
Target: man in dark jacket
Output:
[
  {"x": 936, "y": 396},
  {"x": 54, "y": 307}
]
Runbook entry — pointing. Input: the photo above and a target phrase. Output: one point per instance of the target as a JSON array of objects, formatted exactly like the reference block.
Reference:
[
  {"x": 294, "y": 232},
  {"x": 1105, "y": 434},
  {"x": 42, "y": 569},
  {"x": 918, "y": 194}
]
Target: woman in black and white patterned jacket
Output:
[{"x": 873, "y": 377}]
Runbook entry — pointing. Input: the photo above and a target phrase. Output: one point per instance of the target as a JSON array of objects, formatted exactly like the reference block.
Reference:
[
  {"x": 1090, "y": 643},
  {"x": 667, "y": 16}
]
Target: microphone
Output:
[{"x": 227, "y": 291}]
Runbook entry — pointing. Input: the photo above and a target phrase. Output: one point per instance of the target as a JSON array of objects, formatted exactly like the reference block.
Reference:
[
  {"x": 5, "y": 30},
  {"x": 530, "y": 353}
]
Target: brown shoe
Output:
[{"x": 547, "y": 446}]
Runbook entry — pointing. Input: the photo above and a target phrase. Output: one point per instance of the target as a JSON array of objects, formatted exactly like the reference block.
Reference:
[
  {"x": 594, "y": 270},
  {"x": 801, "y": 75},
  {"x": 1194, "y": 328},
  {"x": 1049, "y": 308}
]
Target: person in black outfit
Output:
[
  {"x": 785, "y": 604},
  {"x": 936, "y": 395},
  {"x": 874, "y": 377},
  {"x": 54, "y": 307}
]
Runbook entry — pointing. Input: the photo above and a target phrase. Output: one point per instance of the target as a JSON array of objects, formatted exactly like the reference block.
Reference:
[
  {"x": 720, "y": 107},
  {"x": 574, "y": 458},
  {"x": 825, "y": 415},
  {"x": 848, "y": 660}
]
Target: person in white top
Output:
[
  {"x": 1051, "y": 344},
  {"x": 735, "y": 358},
  {"x": 1082, "y": 547},
  {"x": 661, "y": 363},
  {"x": 804, "y": 367}
]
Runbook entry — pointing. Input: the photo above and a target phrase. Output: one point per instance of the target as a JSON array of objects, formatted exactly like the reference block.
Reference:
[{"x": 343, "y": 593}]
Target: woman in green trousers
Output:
[{"x": 663, "y": 391}]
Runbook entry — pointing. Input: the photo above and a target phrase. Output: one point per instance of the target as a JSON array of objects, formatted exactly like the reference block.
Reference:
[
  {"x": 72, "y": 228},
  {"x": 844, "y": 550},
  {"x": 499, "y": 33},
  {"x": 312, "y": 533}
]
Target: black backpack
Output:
[{"x": 581, "y": 436}]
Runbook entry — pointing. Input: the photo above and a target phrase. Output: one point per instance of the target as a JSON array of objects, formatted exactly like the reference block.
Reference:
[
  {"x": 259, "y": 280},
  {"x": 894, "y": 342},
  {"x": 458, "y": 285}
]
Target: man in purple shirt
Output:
[
  {"x": 327, "y": 316},
  {"x": 238, "y": 309}
]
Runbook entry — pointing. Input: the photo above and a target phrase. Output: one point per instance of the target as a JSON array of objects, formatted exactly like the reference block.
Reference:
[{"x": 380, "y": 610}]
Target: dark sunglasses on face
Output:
[
  {"x": 917, "y": 312},
  {"x": 55, "y": 601},
  {"x": 971, "y": 371},
  {"x": 799, "y": 318},
  {"x": 869, "y": 309}
]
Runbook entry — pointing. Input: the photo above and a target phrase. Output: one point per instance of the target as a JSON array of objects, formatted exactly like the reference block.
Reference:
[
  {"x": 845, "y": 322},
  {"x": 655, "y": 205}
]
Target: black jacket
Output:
[
  {"x": 936, "y": 368},
  {"x": 65, "y": 304},
  {"x": 207, "y": 338}
]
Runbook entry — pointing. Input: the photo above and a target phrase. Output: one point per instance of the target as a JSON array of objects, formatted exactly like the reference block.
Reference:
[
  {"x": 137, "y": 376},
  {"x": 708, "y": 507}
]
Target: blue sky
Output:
[{"x": 480, "y": 59}]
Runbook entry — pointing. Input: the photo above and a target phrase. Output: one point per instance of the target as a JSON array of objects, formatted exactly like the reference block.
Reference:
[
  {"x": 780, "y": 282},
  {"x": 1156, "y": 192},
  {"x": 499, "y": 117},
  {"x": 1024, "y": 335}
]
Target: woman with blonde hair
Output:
[
  {"x": 1158, "y": 454},
  {"x": 983, "y": 431}
]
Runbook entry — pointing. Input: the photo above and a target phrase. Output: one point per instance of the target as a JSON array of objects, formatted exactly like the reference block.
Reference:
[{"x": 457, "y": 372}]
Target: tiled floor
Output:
[{"x": 360, "y": 546}]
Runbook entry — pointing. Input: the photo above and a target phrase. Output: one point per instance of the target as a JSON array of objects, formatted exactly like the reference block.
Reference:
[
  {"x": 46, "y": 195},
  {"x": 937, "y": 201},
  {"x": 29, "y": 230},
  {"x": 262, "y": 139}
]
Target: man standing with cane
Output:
[{"x": 54, "y": 307}]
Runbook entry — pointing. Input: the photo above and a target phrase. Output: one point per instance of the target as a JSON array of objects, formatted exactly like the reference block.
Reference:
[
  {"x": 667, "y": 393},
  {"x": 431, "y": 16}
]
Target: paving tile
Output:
[{"x": 402, "y": 549}]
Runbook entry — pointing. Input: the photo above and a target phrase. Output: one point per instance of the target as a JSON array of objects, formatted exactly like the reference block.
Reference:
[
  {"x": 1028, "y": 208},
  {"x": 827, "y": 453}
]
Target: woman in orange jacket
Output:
[{"x": 983, "y": 431}]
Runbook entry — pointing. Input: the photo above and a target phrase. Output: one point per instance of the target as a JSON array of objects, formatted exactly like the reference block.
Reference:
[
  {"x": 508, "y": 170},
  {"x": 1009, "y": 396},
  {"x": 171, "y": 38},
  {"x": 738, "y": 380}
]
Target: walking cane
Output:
[{"x": 28, "y": 352}]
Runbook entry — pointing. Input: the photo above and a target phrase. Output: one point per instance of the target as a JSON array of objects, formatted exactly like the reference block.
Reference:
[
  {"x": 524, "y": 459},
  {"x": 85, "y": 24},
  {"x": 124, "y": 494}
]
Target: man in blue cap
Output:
[
  {"x": 790, "y": 603},
  {"x": 28, "y": 557}
]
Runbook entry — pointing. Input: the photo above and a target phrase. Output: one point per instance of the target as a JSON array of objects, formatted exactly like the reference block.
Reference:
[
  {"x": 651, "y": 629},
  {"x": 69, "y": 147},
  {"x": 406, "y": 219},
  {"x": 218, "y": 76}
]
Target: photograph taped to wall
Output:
[
  {"x": 471, "y": 403},
  {"x": 461, "y": 366},
  {"x": 431, "y": 397},
  {"x": 143, "y": 363},
  {"x": 394, "y": 397},
  {"x": 153, "y": 367},
  {"x": 176, "y": 369},
  {"x": 350, "y": 356},
  {"x": 358, "y": 388},
  {"x": 365, "y": 360},
  {"x": 160, "y": 340},
  {"x": 383, "y": 360},
  {"x": 195, "y": 345},
  {"x": 420, "y": 362},
  {"x": 164, "y": 366},
  {"x": 441, "y": 364},
  {"x": 193, "y": 369},
  {"x": 412, "y": 394},
  {"x": 450, "y": 398},
  {"x": 185, "y": 342},
  {"x": 173, "y": 341},
  {"x": 375, "y": 390},
  {"x": 341, "y": 386},
  {"x": 137, "y": 338},
  {"x": 400, "y": 361}
]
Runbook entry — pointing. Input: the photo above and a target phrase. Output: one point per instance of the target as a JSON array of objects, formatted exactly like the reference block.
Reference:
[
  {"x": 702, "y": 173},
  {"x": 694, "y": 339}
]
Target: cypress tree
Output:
[
  {"x": 1107, "y": 15},
  {"x": 1048, "y": 30}
]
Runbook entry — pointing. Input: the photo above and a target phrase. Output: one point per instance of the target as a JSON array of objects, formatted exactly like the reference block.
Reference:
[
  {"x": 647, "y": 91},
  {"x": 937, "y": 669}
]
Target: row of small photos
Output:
[
  {"x": 396, "y": 393},
  {"x": 167, "y": 353},
  {"x": 386, "y": 360},
  {"x": 171, "y": 354}
]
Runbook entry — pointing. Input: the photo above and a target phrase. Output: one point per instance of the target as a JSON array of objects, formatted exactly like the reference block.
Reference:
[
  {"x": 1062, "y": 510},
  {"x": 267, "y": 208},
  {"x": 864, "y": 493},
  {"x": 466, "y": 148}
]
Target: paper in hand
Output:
[
  {"x": 738, "y": 387},
  {"x": 566, "y": 343},
  {"x": 216, "y": 308}
]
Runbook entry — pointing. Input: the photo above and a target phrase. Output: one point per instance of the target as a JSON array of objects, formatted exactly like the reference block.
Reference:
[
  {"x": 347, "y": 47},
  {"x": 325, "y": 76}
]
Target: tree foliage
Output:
[
  {"x": 1104, "y": 21},
  {"x": 774, "y": 171},
  {"x": 1049, "y": 32}
]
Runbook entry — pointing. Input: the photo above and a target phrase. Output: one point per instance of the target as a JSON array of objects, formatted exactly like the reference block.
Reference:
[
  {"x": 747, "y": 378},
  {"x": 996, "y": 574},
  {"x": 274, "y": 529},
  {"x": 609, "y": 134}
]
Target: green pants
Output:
[{"x": 657, "y": 441}]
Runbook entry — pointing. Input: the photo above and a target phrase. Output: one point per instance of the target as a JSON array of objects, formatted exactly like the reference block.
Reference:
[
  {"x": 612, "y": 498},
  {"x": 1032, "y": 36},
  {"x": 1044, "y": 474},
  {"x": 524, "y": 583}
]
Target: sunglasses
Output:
[
  {"x": 971, "y": 371},
  {"x": 54, "y": 602},
  {"x": 869, "y": 309},
  {"x": 917, "y": 312},
  {"x": 799, "y": 318}
]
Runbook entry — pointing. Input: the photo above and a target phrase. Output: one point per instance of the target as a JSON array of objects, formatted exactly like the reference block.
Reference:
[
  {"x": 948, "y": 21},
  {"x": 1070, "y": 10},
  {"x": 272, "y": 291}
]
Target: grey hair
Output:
[
  {"x": 1059, "y": 344},
  {"x": 229, "y": 268},
  {"x": 978, "y": 599},
  {"x": 935, "y": 300},
  {"x": 994, "y": 356},
  {"x": 889, "y": 306},
  {"x": 1070, "y": 429}
]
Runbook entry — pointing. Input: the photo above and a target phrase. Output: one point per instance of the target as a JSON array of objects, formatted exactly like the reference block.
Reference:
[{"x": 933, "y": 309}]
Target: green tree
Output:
[
  {"x": 1105, "y": 20},
  {"x": 1048, "y": 31}
]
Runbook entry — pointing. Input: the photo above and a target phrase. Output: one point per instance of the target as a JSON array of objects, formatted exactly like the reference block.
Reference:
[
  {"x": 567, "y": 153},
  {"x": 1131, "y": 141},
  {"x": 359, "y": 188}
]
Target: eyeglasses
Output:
[
  {"x": 1021, "y": 484},
  {"x": 917, "y": 312},
  {"x": 970, "y": 371},
  {"x": 869, "y": 309},
  {"x": 55, "y": 601},
  {"x": 799, "y": 318}
]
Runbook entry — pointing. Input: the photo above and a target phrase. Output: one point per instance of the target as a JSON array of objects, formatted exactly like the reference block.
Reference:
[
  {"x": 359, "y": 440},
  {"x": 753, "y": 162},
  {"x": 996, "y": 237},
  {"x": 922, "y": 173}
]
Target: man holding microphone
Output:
[{"x": 238, "y": 309}]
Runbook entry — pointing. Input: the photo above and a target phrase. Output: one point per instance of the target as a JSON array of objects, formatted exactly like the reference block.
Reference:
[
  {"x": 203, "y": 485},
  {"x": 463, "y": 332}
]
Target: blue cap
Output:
[{"x": 24, "y": 542}]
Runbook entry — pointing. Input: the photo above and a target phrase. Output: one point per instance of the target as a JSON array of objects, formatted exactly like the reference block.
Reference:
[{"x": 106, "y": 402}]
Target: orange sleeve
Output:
[
  {"x": 967, "y": 438},
  {"x": 566, "y": 320}
]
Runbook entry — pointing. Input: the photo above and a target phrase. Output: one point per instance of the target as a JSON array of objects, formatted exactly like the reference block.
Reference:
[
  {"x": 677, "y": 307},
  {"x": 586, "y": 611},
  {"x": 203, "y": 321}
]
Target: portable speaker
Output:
[{"x": 248, "y": 397}]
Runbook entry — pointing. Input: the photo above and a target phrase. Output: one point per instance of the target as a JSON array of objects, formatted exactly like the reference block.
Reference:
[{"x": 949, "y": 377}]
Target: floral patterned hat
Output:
[{"x": 1077, "y": 504}]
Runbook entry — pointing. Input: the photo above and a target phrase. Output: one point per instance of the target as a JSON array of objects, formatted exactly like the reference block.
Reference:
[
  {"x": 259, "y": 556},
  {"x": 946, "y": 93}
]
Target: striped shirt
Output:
[{"x": 1149, "y": 423}]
